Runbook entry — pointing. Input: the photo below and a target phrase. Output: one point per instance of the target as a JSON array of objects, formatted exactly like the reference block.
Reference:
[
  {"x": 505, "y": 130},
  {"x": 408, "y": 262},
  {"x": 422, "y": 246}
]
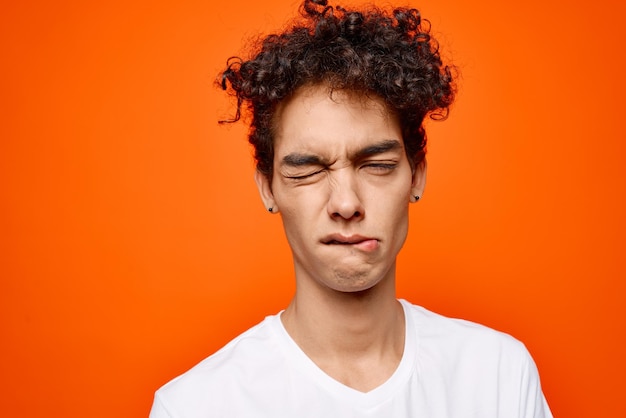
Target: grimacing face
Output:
[{"x": 342, "y": 183}]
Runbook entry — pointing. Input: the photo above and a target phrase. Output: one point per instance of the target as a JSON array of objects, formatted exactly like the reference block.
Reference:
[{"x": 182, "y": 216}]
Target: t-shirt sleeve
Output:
[
  {"x": 158, "y": 409},
  {"x": 533, "y": 403}
]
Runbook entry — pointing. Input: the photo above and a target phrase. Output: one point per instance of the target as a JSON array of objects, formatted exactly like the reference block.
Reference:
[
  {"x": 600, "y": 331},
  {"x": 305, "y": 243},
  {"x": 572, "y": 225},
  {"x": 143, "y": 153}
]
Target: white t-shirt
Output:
[{"x": 449, "y": 368}]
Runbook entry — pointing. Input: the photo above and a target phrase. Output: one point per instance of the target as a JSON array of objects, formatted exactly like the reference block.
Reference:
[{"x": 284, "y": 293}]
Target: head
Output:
[
  {"x": 386, "y": 54},
  {"x": 337, "y": 105},
  {"x": 342, "y": 183}
]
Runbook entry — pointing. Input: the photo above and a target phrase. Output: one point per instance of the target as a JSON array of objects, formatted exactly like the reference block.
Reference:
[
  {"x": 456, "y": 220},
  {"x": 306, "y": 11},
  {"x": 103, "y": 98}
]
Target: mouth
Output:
[{"x": 357, "y": 241}]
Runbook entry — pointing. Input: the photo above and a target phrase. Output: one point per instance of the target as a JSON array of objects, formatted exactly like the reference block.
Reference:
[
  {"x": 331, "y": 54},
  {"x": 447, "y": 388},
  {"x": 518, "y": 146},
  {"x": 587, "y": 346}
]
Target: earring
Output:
[
  {"x": 270, "y": 209},
  {"x": 417, "y": 198}
]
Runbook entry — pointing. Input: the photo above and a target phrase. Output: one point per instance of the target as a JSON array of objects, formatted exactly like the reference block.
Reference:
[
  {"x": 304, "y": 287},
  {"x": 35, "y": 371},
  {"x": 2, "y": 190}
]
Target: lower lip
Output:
[{"x": 367, "y": 245}]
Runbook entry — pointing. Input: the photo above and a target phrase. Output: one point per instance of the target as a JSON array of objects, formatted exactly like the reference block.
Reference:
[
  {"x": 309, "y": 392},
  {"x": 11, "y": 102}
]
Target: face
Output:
[{"x": 342, "y": 183}]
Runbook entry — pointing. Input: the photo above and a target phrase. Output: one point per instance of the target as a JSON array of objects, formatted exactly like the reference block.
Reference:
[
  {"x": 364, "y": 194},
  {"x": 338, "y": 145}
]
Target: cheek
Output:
[
  {"x": 393, "y": 210},
  {"x": 299, "y": 214},
  {"x": 301, "y": 201},
  {"x": 392, "y": 198}
]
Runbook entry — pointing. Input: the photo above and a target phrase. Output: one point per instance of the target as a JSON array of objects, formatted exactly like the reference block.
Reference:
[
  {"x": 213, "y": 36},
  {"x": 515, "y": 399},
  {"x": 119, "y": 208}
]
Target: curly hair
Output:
[{"x": 385, "y": 53}]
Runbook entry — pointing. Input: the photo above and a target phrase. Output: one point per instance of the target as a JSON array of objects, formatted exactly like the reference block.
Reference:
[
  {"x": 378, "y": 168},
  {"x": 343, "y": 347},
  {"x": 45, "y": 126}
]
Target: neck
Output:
[{"x": 356, "y": 337}]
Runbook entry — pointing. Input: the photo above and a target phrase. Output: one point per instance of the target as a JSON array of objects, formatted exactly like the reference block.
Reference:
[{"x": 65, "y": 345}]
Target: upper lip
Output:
[{"x": 344, "y": 239}]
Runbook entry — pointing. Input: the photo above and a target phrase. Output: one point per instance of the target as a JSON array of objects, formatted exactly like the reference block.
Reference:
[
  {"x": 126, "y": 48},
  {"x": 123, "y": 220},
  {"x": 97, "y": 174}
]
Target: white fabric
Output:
[{"x": 450, "y": 368}]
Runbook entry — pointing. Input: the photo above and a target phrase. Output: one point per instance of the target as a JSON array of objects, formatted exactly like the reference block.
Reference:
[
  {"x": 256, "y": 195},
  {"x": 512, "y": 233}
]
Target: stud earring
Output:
[
  {"x": 417, "y": 198},
  {"x": 270, "y": 209}
]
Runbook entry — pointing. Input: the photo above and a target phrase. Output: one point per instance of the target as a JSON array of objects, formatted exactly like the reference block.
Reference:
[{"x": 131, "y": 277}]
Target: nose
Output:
[{"x": 344, "y": 201}]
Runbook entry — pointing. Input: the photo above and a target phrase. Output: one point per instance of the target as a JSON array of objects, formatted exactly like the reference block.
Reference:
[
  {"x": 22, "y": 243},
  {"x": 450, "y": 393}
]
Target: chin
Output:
[{"x": 354, "y": 281}]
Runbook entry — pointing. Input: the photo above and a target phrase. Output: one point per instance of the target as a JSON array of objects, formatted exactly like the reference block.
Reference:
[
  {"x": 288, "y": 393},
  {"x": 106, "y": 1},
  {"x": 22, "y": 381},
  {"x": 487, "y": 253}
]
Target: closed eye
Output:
[
  {"x": 380, "y": 167},
  {"x": 304, "y": 176}
]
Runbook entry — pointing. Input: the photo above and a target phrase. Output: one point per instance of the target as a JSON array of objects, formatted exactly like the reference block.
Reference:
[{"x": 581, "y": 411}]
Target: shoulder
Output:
[
  {"x": 248, "y": 357},
  {"x": 476, "y": 362},
  {"x": 434, "y": 326},
  {"x": 456, "y": 339}
]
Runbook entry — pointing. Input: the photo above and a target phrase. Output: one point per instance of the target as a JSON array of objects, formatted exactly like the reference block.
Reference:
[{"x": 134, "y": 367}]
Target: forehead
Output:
[{"x": 317, "y": 120}]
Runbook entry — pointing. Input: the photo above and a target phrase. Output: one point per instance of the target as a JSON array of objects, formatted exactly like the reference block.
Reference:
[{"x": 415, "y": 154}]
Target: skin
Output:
[{"x": 342, "y": 183}]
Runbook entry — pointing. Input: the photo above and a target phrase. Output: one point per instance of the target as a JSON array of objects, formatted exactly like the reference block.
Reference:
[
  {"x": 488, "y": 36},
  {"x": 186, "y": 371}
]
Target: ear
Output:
[
  {"x": 419, "y": 181},
  {"x": 265, "y": 190}
]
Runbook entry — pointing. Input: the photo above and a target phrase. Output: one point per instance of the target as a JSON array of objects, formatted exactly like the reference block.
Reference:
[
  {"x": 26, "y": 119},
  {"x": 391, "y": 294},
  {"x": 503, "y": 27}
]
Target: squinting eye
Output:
[
  {"x": 305, "y": 176},
  {"x": 380, "y": 167}
]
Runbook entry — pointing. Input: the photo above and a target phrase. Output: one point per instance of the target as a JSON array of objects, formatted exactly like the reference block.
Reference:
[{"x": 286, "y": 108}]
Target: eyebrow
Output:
[
  {"x": 298, "y": 160},
  {"x": 378, "y": 148}
]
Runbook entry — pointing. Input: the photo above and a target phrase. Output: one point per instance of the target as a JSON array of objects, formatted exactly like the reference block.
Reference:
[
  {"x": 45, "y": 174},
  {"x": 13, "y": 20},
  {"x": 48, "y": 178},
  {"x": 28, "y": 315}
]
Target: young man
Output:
[{"x": 338, "y": 103}]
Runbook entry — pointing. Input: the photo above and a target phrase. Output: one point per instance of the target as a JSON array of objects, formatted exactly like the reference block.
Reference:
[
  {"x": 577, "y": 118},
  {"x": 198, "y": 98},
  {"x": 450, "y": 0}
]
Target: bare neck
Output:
[{"x": 356, "y": 338}]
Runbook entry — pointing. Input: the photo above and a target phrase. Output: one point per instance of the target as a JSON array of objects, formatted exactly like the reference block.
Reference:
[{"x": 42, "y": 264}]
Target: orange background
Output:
[{"x": 134, "y": 243}]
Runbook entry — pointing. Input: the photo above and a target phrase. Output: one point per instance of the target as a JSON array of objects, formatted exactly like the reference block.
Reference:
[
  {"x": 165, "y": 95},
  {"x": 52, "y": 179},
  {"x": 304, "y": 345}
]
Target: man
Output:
[{"x": 338, "y": 103}]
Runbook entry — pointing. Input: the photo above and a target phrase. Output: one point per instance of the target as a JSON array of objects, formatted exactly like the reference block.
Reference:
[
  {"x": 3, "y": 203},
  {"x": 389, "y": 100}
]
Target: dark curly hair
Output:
[{"x": 385, "y": 53}]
